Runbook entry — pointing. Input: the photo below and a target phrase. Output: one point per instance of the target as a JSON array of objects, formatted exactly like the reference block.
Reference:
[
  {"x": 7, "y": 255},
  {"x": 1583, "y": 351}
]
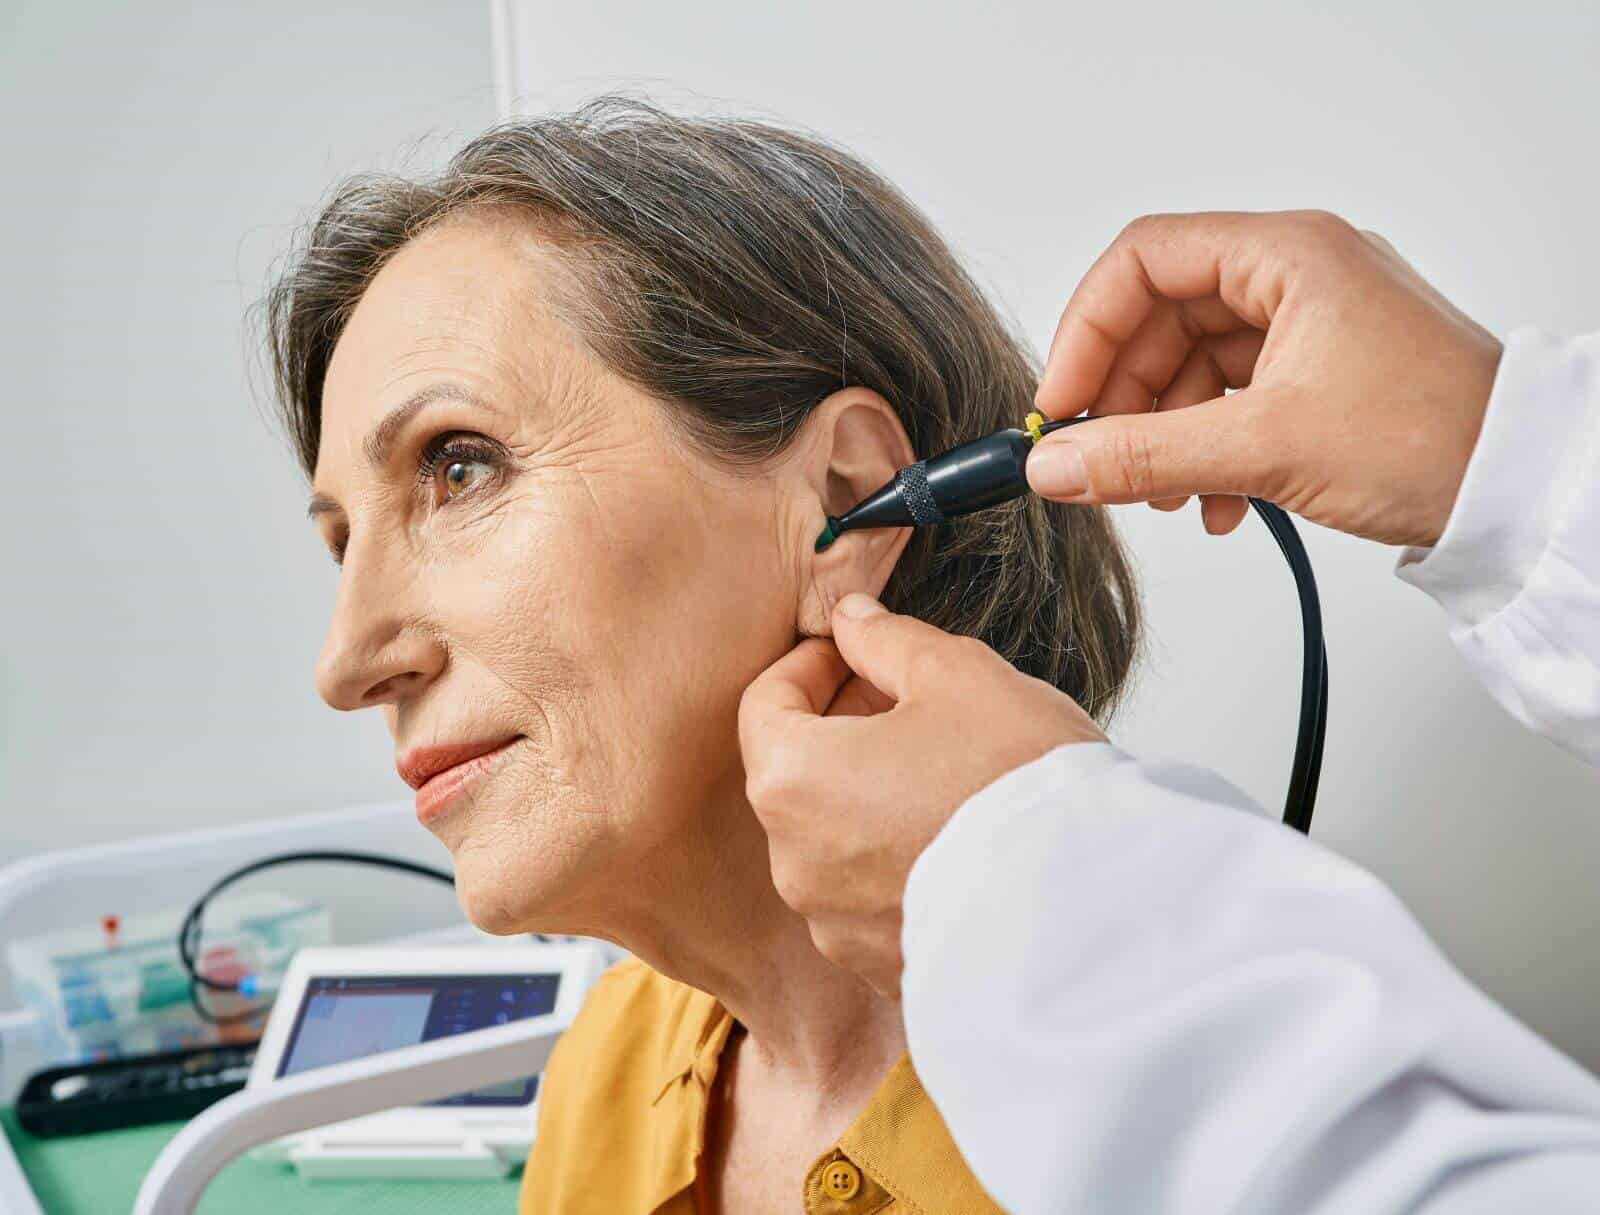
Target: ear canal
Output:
[
  {"x": 859, "y": 445},
  {"x": 830, "y": 533}
]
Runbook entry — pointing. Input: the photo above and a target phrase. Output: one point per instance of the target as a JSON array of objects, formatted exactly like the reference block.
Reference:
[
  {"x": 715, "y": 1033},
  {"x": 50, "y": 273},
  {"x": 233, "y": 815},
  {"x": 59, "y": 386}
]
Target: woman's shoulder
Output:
[
  {"x": 634, "y": 1015},
  {"x": 604, "y": 1142},
  {"x": 632, "y": 983},
  {"x": 636, "y": 1032}
]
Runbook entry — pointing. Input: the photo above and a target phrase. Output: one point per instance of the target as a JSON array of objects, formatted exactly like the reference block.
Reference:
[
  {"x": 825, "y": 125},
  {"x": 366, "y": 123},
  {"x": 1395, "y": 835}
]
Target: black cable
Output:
[
  {"x": 1307, "y": 770},
  {"x": 189, "y": 931}
]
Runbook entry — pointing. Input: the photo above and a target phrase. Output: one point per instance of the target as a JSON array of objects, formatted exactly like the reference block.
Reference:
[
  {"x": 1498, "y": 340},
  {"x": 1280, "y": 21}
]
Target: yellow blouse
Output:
[{"x": 622, "y": 1119}]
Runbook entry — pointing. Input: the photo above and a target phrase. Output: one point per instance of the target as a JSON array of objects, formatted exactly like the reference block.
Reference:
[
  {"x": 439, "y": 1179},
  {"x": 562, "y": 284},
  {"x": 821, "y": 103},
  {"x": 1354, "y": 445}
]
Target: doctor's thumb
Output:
[
  {"x": 901, "y": 656},
  {"x": 1210, "y": 448}
]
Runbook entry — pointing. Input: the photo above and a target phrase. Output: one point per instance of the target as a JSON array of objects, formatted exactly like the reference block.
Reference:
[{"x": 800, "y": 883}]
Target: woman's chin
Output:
[
  {"x": 503, "y": 895},
  {"x": 489, "y": 908}
]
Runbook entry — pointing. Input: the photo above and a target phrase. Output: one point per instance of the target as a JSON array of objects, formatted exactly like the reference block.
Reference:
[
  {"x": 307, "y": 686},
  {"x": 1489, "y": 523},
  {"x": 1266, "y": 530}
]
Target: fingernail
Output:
[
  {"x": 1057, "y": 470},
  {"x": 857, "y": 606}
]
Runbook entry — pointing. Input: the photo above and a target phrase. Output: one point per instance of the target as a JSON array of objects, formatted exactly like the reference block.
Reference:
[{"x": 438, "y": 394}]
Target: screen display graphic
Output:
[{"x": 348, "y": 1018}]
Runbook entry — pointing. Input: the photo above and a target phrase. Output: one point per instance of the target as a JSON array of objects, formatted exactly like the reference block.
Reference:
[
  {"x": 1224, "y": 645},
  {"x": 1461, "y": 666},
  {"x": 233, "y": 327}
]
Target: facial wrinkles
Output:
[
  {"x": 532, "y": 513},
  {"x": 790, "y": 520},
  {"x": 421, "y": 567},
  {"x": 539, "y": 414},
  {"x": 593, "y": 438},
  {"x": 604, "y": 596},
  {"x": 647, "y": 531},
  {"x": 489, "y": 598}
]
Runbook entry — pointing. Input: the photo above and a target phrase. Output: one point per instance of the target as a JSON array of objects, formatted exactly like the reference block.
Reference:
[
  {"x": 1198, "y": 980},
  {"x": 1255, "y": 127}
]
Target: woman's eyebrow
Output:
[{"x": 381, "y": 440}]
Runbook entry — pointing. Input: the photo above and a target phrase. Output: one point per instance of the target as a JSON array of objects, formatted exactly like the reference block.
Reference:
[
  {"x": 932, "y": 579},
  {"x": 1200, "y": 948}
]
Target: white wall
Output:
[
  {"x": 163, "y": 598},
  {"x": 162, "y": 595},
  {"x": 1032, "y": 131}
]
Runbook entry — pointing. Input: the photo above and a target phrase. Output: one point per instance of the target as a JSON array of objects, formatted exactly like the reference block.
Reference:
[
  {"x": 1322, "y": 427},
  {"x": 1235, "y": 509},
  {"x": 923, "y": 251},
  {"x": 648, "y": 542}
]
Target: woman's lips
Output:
[{"x": 448, "y": 771}]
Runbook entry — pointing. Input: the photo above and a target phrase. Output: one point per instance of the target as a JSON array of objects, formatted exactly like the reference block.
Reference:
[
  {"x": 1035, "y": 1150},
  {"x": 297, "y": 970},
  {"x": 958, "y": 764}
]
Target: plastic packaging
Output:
[{"x": 106, "y": 991}]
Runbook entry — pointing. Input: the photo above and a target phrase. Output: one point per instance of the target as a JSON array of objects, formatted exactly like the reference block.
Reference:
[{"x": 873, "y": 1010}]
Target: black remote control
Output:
[{"x": 85, "y": 1097}]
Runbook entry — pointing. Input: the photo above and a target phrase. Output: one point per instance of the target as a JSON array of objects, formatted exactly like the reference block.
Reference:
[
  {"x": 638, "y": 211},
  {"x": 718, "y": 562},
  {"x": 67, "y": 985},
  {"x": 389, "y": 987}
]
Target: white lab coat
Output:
[{"x": 1129, "y": 991}]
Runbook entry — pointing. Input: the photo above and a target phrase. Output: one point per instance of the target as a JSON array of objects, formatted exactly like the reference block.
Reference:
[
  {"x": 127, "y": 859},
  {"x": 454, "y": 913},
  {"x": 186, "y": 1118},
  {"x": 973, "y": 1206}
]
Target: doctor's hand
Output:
[
  {"x": 1362, "y": 388},
  {"x": 857, "y": 751}
]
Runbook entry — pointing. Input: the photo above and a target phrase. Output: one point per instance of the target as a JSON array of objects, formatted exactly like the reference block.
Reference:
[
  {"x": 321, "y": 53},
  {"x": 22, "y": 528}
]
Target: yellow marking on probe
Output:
[{"x": 1032, "y": 423}]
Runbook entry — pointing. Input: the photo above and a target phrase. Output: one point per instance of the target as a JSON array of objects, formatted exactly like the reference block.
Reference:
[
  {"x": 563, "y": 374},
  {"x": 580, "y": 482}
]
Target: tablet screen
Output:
[{"x": 351, "y": 1017}]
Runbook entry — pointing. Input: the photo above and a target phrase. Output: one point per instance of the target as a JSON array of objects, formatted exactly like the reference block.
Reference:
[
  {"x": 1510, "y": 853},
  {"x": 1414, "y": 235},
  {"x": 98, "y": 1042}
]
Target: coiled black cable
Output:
[{"x": 189, "y": 931}]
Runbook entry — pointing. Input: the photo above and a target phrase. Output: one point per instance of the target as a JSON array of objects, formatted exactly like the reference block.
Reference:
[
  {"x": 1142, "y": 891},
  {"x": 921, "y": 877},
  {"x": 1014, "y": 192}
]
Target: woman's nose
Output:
[{"x": 377, "y": 649}]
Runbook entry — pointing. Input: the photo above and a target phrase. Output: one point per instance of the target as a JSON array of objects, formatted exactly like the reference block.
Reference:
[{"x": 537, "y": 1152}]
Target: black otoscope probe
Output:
[{"x": 993, "y": 469}]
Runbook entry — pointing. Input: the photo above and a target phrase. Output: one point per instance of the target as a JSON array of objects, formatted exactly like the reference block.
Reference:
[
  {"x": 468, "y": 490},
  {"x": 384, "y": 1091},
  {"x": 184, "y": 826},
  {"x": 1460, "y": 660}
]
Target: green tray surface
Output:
[{"x": 100, "y": 1175}]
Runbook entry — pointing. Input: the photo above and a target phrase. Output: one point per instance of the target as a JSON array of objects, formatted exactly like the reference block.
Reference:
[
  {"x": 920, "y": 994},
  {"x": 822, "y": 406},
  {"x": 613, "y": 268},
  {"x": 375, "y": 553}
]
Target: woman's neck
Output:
[{"x": 715, "y": 922}]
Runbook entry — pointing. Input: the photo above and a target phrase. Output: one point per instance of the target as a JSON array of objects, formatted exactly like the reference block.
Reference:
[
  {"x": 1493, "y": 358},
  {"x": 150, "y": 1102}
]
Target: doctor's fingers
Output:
[
  {"x": 803, "y": 683},
  {"x": 1250, "y": 262},
  {"x": 800, "y": 772},
  {"x": 906, "y": 658},
  {"x": 1156, "y": 260},
  {"x": 859, "y": 698},
  {"x": 810, "y": 682},
  {"x": 1209, "y": 371},
  {"x": 793, "y": 728},
  {"x": 1149, "y": 363},
  {"x": 1227, "y": 445},
  {"x": 1185, "y": 371},
  {"x": 783, "y": 732}
]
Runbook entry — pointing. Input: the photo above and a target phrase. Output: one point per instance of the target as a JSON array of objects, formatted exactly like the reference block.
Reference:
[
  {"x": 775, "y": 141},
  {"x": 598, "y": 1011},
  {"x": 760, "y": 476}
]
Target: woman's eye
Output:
[
  {"x": 454, "y": 466},
  {"x": 462, "y": 475}
]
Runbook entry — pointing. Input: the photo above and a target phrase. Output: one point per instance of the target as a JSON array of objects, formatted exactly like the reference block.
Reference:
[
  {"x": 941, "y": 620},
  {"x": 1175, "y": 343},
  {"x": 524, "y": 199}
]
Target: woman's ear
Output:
[{"x": 852, "y": 443}]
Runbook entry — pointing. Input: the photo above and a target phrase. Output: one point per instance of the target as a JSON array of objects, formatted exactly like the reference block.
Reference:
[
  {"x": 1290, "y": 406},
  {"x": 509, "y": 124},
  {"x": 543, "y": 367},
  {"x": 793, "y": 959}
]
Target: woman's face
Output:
[{"x": 533, "y": 555}]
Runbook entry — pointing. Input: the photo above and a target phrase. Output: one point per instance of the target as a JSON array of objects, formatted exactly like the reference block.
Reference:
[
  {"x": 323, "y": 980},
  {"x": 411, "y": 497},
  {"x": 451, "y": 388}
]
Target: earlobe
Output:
[{"x": 857, "y": 445}]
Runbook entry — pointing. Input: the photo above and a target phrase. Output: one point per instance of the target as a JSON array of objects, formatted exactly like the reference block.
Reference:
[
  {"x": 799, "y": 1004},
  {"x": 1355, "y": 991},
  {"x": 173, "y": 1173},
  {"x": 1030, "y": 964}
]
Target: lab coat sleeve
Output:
[
  {"x": 1128, "y": 990},
  {"x": 1517, "y": 569}
]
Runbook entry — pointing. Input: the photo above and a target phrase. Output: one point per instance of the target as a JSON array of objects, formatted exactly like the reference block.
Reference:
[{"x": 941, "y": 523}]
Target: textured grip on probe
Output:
[{"x": 918, "y": 497}]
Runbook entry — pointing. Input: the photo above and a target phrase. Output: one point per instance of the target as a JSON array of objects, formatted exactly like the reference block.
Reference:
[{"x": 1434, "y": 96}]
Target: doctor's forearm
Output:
[
  {"x": 1126, "y": 991},
  {"x": 1517, "y": 569}
]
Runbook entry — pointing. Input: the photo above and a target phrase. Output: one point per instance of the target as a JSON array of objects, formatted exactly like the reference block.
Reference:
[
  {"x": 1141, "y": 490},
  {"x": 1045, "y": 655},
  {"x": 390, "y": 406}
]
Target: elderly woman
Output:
[{"x": 574, "y": 411}]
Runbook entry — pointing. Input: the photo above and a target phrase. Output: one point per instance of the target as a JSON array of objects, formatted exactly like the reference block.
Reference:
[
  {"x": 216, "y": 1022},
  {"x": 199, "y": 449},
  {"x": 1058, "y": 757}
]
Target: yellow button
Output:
[{"x": 841, "y": 1180}]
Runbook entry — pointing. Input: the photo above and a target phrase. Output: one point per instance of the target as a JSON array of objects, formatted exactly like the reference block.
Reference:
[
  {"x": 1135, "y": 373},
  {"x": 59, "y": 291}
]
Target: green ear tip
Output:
[{"x": 828, "y": 536}]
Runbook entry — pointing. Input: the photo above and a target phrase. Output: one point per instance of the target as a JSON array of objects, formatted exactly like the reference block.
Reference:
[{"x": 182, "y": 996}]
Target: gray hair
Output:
[{"x": 741, "y": 272}]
